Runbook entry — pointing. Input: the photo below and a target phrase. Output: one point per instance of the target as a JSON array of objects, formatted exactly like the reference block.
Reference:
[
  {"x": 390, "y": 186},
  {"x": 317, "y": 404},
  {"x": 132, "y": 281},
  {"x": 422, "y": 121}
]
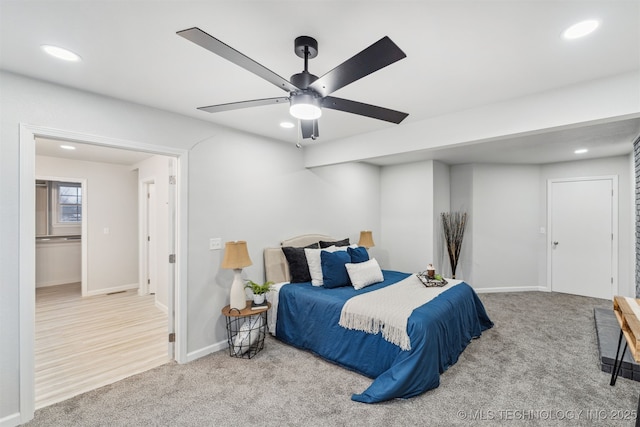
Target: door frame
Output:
[
  {"x": 27, "y": 246},
  {"x": 614, "y": 225}
]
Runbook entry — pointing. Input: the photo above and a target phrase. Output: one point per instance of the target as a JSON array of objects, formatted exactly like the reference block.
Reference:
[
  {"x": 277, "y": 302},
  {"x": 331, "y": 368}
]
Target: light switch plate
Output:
[{"x": 215, "y": 243}]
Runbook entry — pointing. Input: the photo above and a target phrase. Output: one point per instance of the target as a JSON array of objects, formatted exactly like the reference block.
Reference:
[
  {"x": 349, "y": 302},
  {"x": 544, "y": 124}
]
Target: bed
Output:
[{"x": 308, "y": 317}]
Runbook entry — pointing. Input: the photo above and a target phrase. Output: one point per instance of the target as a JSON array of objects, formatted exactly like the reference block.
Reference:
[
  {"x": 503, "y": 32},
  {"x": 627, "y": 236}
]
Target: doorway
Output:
[
  {"x": 177, "y": 313},
  {"x": 582, "y": 240},
  {"x": 60, "y": 237}
]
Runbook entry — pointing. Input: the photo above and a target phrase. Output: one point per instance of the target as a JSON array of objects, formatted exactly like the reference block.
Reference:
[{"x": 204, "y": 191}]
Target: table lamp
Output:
[
  {"x": 366, "y": 239},
  {"x": 236, "y": 256}
]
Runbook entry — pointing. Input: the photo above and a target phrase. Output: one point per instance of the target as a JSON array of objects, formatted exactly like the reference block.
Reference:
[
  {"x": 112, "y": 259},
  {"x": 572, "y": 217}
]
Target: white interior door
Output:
[
  {"x": 581, "y": 236},
  {"x": 152, "y": 257}
]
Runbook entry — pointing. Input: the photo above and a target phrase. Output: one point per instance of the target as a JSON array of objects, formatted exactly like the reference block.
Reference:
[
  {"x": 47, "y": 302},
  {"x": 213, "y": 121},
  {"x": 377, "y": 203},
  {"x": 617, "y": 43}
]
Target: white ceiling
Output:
[{"x": 460, "y": 55}]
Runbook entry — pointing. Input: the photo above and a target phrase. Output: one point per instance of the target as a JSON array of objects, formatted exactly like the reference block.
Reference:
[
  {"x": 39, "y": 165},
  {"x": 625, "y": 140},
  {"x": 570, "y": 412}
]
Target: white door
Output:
[
  {"x": 152, "y": 257},
  {"x": 581, "y": 236}
]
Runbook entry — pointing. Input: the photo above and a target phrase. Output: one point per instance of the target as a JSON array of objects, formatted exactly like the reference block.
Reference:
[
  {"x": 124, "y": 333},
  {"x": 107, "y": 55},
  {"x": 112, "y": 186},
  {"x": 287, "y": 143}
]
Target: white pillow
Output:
[
  {"x": 315, "y": 268},
  {"x": 247, "y": 335},
  {"x": 364, "y": 273},
  {"x": 315, "y": 264}
]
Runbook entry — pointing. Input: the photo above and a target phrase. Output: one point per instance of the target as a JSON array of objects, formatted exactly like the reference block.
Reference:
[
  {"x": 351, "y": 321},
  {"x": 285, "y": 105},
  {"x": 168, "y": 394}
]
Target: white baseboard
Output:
[
  {"x": 58, "y": 282},
  {"x": 105, "y": 291},
  {"x": 512, "y": 289},
  {"x": 11, "y": 420},
  {"x": 222, "y": 345}
]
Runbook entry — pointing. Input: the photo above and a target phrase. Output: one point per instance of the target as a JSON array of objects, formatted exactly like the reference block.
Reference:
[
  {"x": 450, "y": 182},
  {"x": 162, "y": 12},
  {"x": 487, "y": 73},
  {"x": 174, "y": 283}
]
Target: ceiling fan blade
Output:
[
  {"x": 244, "y": 104},
  {"x": 214, "y": 45},
  {"x": 380, "y": 54},
  {"x": 309, "y": 129},
  {"x": 362, "y": 109}
]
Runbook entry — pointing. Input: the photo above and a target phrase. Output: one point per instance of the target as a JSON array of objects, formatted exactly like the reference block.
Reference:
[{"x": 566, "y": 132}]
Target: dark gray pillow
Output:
[
  {"x": 297, "y": 260},
  {"x": 343, "y": 242}
]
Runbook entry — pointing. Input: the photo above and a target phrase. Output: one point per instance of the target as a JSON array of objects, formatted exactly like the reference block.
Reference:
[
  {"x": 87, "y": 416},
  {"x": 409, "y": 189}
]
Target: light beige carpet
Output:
[{"x": 537, "y": 366}]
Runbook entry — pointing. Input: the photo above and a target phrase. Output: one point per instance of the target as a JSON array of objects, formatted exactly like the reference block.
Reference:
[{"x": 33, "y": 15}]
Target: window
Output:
[{"x": 68, "y": 199}]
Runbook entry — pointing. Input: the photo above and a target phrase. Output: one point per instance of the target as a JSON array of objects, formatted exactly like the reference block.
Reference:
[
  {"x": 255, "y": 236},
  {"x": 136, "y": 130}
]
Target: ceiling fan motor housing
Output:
[{"x": 303, "y": 80}]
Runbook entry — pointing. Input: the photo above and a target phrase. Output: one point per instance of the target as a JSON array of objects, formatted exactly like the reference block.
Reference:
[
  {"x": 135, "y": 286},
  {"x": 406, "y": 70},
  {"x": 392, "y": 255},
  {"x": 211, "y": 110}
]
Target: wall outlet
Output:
[{"x": 215, "y": 243}]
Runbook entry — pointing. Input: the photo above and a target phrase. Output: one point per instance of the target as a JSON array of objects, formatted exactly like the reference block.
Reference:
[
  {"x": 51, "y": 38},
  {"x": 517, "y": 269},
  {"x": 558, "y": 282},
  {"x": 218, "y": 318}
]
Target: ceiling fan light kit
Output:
[
  {"x": 308, "y": 94},
  {"x": 305, "y": 106}
]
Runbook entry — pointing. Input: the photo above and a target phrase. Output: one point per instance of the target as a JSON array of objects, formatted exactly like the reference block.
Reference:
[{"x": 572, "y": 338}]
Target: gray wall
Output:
[
  {"x": 413, "y": 196},
  {"x": 240, "y": 187},
  {"x": 407, "y": 216},
  {"x": 504, "y": 247},
  {"x": 255, "y": 189},
  {"x": 441, "y": 203},
  {"x": 462, "y": 201},
  {"x": 33, "y": 102},
  {"x": 247, "y": 188}
]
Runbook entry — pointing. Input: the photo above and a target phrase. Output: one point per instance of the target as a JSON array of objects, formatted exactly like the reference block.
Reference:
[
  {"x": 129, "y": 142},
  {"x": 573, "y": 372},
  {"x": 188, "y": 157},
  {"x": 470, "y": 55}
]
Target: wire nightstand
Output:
[{"x": 246, "y": 330}]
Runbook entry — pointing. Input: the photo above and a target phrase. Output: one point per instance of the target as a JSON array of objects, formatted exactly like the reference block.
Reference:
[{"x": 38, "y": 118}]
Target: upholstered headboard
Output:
[{"x": 276, "y": 267}]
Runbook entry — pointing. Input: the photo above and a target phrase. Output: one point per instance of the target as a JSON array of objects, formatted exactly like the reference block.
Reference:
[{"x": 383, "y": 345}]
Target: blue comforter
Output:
[{"x": 439, "y": 331}]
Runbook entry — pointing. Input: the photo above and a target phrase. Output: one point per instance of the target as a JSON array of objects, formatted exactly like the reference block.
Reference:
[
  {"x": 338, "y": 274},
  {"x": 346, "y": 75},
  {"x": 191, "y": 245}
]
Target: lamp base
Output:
[{"x": 237, "y": 298}]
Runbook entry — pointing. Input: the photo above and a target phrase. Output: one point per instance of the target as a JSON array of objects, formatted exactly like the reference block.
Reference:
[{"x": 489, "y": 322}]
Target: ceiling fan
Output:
[{"x": 308, "y": 94}]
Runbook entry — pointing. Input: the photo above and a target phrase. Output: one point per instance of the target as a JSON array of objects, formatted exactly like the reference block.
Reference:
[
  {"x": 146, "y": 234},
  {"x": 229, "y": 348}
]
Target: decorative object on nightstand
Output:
[
  {"x": 431, "y": 281},
  {"x": 236, "y": 257},
  {"x": 259, "y": 293},
  {"x": 366, "y": 239},
  {"x": 431, "y": 271}
]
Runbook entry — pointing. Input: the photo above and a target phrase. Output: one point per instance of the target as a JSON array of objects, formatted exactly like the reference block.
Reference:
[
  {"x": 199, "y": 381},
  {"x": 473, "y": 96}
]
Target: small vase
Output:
[{"x": 258, "y": 299}]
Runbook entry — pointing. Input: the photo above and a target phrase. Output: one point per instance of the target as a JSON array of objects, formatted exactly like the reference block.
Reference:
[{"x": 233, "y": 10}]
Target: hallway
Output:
[{"x": 85, "y": 343}]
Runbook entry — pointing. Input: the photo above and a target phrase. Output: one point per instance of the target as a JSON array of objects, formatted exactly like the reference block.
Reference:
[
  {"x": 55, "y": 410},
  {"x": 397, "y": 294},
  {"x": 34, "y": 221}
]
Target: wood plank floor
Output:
[{"x": 85, "y": 343}]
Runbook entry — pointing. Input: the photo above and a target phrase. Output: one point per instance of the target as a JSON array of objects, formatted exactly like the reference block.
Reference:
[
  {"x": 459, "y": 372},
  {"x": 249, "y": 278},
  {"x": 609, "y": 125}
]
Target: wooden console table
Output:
[{"x": 627, "y": 311}]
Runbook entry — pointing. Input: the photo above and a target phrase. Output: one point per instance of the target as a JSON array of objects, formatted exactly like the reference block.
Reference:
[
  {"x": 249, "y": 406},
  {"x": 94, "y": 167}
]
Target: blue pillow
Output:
[
  {"x": 358, "y": 254},
  {"x": 334, "y": 273}
]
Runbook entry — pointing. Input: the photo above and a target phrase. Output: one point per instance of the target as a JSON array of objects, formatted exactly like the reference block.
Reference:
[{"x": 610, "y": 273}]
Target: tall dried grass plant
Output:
[{"x": 454, "y": 224}]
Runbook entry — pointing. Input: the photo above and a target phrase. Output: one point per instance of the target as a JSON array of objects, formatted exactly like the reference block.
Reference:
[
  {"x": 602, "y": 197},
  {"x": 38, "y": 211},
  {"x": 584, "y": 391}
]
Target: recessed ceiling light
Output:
[
  {"x": 580, "y": 29},
  {"x": 581, "y": 151},
  {"x": 287, "y": 125},
  {"x": 67, "y": 147},
  {"x": 61, "y": 53}
]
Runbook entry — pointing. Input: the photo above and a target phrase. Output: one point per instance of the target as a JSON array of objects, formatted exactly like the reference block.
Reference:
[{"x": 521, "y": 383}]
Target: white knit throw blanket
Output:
[{"x": 388, "y": 309}]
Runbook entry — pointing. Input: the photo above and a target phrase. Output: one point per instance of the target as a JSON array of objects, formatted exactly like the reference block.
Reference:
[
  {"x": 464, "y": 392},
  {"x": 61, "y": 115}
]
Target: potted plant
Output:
[{"x": 258, "y": 290}]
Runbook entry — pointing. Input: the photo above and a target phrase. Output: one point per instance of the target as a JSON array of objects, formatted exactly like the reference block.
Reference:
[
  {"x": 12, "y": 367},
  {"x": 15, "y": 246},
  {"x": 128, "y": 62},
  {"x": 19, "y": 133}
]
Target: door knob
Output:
[{"x": 555, "y": 243}]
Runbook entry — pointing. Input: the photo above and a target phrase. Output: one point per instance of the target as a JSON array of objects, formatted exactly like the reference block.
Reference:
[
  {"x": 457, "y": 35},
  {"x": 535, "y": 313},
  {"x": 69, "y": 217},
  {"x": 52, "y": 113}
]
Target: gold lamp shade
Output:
[
  {"x": 366, "y": 239},
  {"x": 236, "y": 255}
]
